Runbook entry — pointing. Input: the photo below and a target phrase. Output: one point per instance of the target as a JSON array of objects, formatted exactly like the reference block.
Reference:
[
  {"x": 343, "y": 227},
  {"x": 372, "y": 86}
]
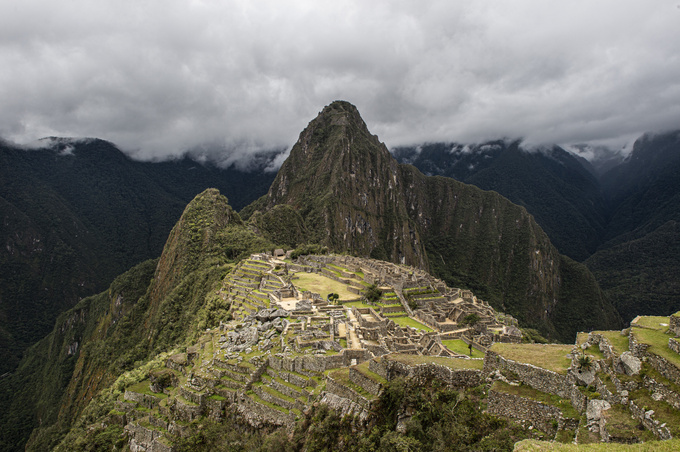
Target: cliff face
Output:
[
  {"x": 354, "y": 197},
  {"x": 347, "y": 187}
]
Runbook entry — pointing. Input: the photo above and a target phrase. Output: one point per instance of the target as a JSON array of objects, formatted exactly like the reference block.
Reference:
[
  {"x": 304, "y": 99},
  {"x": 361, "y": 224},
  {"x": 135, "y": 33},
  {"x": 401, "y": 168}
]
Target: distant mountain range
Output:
[
  {"x": 340, "y": 188},
  {"x": 76, "y": 213},
  {"x": 620, "y": 216}
]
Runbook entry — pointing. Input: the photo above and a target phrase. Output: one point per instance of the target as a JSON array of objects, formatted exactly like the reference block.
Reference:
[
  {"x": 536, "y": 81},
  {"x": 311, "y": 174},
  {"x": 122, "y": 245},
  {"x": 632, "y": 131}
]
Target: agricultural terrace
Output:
[
  {"x": 547, "y": 356},
  {"x": 318, "y": 283}
]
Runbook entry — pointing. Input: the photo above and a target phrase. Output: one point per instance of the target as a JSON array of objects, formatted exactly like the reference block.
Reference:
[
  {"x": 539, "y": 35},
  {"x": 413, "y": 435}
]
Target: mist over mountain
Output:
[
  {"x": 616, "y": 210},
  {"x": 558, "y": 189},
  {"x": 77, "y": 212}
]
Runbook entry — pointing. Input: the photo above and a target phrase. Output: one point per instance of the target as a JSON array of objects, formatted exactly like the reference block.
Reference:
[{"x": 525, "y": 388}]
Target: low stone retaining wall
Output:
[
  {"x": 538, "y": 378},
  {"x": 144, "y": 439},
  {"x": 459, "y": 378},
  {"x": 391, "y": 309},
  {"x": 355, "y": 376},
  {"x": 665, "y": 368},
  {"x": 185, "y": 412},
  {"x": 145, "y": 400},
  {"x": 669, "y": 396},
  {"x": 546, "y": 418},
  {"x": 647, "y": 419},
  {"x": 319, "y": 363},
  {"x": 674, "y": 324},
  {"x": 258, "y": 415},
  {"x": 343, "y": 391},
  {"x": 195, "y": 397},
  {"x": 674, "y": 345}
]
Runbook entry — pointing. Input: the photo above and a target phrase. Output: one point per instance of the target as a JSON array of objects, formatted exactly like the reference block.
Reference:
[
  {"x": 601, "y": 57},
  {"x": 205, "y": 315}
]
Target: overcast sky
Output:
[{"x": 157, "y": 77}]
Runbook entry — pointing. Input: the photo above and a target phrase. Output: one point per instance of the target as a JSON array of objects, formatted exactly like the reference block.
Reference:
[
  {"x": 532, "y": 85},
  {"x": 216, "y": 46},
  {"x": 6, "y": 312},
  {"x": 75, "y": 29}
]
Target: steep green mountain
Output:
[
  {"x": 76, "y": 213},
  {"x": 638, "y": 265},
  {"x": 354, "y": 197},
  {"x": 618, "y": 218},
  {"x": 555, "y": 186},
  {"x": 155, "y": 307}
]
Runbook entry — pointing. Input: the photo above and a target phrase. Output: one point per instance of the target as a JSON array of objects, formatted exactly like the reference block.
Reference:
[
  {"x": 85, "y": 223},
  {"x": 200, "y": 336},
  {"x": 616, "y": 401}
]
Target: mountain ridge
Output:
[{"x": 372, "y": 206}]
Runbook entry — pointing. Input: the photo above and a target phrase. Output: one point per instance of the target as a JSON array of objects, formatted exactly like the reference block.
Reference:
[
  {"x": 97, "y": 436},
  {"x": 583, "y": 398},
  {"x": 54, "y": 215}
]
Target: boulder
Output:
[
  {"x": 595, "y": 408},
  {"x": 631, "y": 364}
]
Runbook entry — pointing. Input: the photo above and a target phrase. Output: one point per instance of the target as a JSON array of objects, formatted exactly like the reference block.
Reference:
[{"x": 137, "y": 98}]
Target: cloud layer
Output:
[{"x": 161, "y": 76}]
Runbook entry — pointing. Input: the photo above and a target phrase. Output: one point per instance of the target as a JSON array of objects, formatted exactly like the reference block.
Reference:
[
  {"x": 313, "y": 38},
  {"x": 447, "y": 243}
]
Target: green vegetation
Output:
[
  {"x": 617, "y": 340},
  {"x": 318, "y": 283},
  {"x": 658, "y": 342},
  {"x": 408, "y": 321},
  {"x": 470, "y": 320},
  {"x": 530, "y": 393},
  {"x": 548, "y": 356},
  {"x": 458, "y": 346},
  {"x": 308, "y": 249},
  {"x": 654, "y": 322},
  {"x": 372, "y": 293}
]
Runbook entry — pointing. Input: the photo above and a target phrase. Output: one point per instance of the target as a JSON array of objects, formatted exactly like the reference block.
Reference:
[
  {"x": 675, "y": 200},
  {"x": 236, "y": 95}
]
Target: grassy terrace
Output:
[
  {"x": 408, "y": 321},
  {"x": 451, "y": 363},
  {"x": 143, "y": 388},
  {"x": 620, "y": 424},
  {"x": 618, "y": 340},
  {"x": 363, "y": 368},
  {"x": 658, "y": 342},
  {"x": 342, "y": 376},
  {"x": 458, "y": 346},
  {"x": 530, "y": 393},
  {"x": 663, "y": 412},
  {"x": 547, "y": 356},
  {"x": 654, "y": 322},
  {"x": 317, "y": 283}
]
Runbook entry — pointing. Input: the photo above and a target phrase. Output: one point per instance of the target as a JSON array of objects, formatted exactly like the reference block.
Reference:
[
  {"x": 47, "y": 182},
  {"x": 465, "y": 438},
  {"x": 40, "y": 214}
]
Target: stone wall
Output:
[
  {"x": 667, "y": 394},
  {"x": 674, "y": 324},
  {"x": 647, "y": 419},
  {"x": 346, "y": 393},
  {"x": 258, "y": 415},
  {"x": 541, "y": 379},
  {"x": 674, "y": 345},
  {"x": 145, "y": 400},
  {"x": 659, "y": 363},
  {"x": 145, "y": 439},
  {"x": 459, "y": 378},
  {"x": 360, "y": 379},
  {"x": 541, "y": 416}
]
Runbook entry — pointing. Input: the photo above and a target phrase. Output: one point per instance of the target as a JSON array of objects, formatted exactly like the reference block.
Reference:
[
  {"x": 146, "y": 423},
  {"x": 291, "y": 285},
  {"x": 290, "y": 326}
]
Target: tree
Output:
[
  {"x": 470, "y": 319},
  {"x": 333, "y": 298},
  {"x": 373, "y": 293}
]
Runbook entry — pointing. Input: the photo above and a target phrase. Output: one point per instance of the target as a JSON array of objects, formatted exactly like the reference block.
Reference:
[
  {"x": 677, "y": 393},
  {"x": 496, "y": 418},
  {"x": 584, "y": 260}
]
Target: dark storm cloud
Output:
[{"x": 160, "y": 77}]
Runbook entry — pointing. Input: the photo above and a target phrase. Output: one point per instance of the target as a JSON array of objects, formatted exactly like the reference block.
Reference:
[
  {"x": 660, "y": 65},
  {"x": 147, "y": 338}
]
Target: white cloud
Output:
[{"x": 159, "y": 77}]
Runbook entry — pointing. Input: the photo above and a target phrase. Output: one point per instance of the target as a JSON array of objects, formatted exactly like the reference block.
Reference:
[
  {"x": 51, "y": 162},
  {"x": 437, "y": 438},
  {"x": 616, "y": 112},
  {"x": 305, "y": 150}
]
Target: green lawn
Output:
[
  {"x": 408, "y": 321},
  {"x": 458, "y": 346},
  {"x": 548, "y": 356},
  {"x": 617, "y": 340},
  {"x": 658, "y": 342},
  {"x": 656, "y": 322},
  {"x": 317, "y": 283}
]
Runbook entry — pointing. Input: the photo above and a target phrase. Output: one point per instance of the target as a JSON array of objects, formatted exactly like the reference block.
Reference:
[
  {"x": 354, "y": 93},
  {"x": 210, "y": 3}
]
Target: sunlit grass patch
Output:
[{"x": 547, "y": 356}]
